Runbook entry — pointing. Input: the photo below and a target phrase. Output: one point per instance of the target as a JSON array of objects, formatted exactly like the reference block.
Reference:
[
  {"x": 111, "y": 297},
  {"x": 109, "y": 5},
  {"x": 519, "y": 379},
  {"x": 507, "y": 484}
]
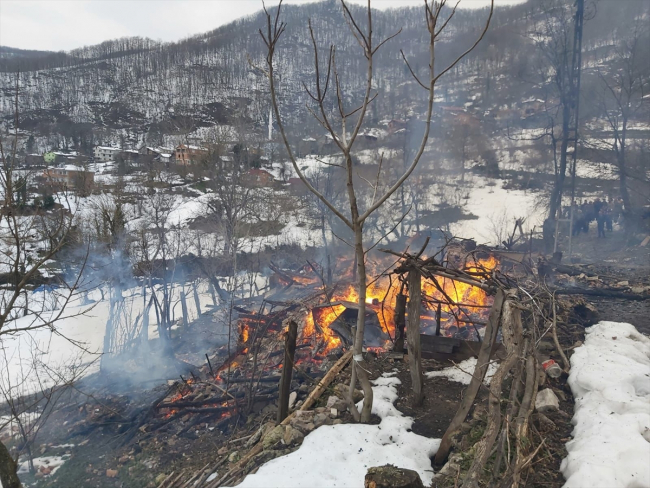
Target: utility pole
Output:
[{"x": 576, "y": 71}]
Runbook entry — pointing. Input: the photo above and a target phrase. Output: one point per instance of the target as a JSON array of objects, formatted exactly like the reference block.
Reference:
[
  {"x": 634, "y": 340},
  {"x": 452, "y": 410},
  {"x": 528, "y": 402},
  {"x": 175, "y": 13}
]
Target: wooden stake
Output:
[
  {"x": 287, "y": 371},
  {"x": 413, "y": 331},
  {"x": 400, "y": 322}
]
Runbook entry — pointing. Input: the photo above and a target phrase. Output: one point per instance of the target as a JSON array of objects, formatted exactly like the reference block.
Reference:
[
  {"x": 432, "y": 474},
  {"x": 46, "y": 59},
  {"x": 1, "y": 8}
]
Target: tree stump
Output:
[{"x": 390, "y": 476}]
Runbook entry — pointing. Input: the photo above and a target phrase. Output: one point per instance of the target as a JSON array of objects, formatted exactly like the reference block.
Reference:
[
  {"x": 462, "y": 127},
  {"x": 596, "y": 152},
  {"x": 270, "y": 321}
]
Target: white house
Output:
[{"x": 105, "y": 153}]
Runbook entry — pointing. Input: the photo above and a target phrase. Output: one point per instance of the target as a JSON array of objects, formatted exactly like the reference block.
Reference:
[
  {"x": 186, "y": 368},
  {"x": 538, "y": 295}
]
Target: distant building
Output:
[
  {"x": 161, "y": 154},
  {"x": 70, "y": 177},
  {"x": 258, "y": 177},
  {"x": 105, "y": 153},
  {"x": 34, "y": 160},
  {"x": 187, "y": 153}
]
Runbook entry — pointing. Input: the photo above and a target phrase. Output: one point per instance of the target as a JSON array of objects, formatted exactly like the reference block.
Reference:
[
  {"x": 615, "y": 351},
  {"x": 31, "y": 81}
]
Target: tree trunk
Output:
[
  {"x": 197, "y": 301},
  {"x": 8, "y": 469},
  {"x": 413, "y": 332},
  {"x": 357, "y": 359}
]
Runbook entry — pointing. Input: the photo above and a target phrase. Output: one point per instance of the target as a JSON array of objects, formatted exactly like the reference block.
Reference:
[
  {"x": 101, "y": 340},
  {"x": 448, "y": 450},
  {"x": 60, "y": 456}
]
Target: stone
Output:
[
  {"x": 320, "y": 419},
  {"x": 390, "y": 476},
  {"x": 331, "y": 401},
  {"x": 546, "y": 401},
  {"x": 111, "y": 473},
  {"x": 543, "y": 423},
  {"x": 234, "y": 457},
  {"x": 293, "y": 396},
  {"x": 337, "y": 422},
  {"x": 273, "y": 438},
  {"x": 341, "y": 391},
  {"x": 320, "y": 410},
  {"x": 304, "y": 415},
  {"x": 222, "y": 451},
  {"x": 292, "y": 436},
  {"x": 623, "y": 283}
]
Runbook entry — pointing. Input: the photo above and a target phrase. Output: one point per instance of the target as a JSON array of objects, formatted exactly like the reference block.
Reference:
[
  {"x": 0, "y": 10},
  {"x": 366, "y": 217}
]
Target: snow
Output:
[
  {"x": 340, "y": 455},
  {"x": 610, "y": 380},
  {"x": 463, "y": 371}
]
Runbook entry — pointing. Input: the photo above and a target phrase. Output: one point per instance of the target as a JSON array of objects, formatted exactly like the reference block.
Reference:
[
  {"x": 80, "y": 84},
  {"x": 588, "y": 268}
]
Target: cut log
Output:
[
  {"x": 413, "y": 335},
  {"x": 287, "y": 370},
  {"x": 390, "y": 476}
]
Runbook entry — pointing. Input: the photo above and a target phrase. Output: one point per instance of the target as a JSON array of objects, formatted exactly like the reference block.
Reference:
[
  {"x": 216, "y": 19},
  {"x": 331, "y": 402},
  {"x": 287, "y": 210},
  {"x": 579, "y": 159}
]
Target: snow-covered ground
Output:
[
  {"x": 75, "y": 342},
  {"x": 340, "y": 455},
  {"x": 463, "y": 371},
  {"x": 497, "y": 210},
  {"x": 610, "y": 380}
]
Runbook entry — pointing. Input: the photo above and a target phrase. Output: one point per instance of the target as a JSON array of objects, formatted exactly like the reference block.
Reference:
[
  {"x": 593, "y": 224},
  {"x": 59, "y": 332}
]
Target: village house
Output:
[
  {"x": 187, "y": 153},
  {"x": 70, "y": 177},
  {"x": 160, "y": 154},
  {"x": 258, "y": 177},
  {"x": 105, "y": 153}
]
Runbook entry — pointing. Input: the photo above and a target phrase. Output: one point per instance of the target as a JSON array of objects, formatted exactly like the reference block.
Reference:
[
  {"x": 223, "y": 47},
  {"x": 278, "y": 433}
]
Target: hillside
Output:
[{"x": 133, "y": 90}]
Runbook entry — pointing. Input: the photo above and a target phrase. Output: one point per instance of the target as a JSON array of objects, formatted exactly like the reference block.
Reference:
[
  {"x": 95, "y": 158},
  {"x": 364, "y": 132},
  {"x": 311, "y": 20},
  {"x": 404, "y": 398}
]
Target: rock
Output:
[
  {"x": 320, "y": 419},
  {"x": 390, "y": 476},
  {"x": 543, "y": 423},
  {"x": 292, "y": 436},
  {"x": 341, "y": 391},
  {"x": 261, "y": 432},
  {"x": 451, "y": 467},
  {"x": 273, "y": 438},
  {"x": 124, "y": 459},
  {"x": 337, "y": 422},
  {"x": 111, "y": 473},
  {"x": 546, "y": 346},
  {"x": 639, "y": 289},
  {"x": 623, "y": 283},
  {"x": 293, "y": 396},
  {"x": 546, "y": 401},
  {"x": 332, "y": 400},
  {"x": 234, "y": 457},
  {"x": 304, "y": 415},
  {"x": 222, "y": 451}
]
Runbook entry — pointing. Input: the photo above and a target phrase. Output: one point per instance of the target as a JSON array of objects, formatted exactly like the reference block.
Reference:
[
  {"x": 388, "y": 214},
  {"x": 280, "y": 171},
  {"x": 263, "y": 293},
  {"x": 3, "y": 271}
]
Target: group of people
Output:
[{"x": 604, "y": 212}]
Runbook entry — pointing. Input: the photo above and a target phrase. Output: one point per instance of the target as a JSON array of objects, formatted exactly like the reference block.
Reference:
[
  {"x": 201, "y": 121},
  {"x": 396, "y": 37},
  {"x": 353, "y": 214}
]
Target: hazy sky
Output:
[{"x": 66, "y": 24}]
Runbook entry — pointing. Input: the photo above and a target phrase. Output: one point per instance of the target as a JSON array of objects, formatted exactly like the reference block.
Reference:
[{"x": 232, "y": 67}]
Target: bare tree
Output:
[
  {"x": 621, "y": 97},
  {"x": 21, "y": 232},
  {"x": 351, "y": 122}
]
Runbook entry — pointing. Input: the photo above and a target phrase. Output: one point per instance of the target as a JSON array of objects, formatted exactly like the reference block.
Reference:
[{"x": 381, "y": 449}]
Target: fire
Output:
[{"x": 325, "y": 317}]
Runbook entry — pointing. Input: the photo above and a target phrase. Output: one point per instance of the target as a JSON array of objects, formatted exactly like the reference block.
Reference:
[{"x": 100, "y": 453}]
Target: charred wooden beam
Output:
[
  {"x": 400, "y": 322},
  {"x": 287, "y": 370}
]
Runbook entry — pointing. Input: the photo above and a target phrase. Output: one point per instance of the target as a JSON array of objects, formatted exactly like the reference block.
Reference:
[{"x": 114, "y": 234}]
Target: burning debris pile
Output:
[{"x": 325, "y": 317}]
